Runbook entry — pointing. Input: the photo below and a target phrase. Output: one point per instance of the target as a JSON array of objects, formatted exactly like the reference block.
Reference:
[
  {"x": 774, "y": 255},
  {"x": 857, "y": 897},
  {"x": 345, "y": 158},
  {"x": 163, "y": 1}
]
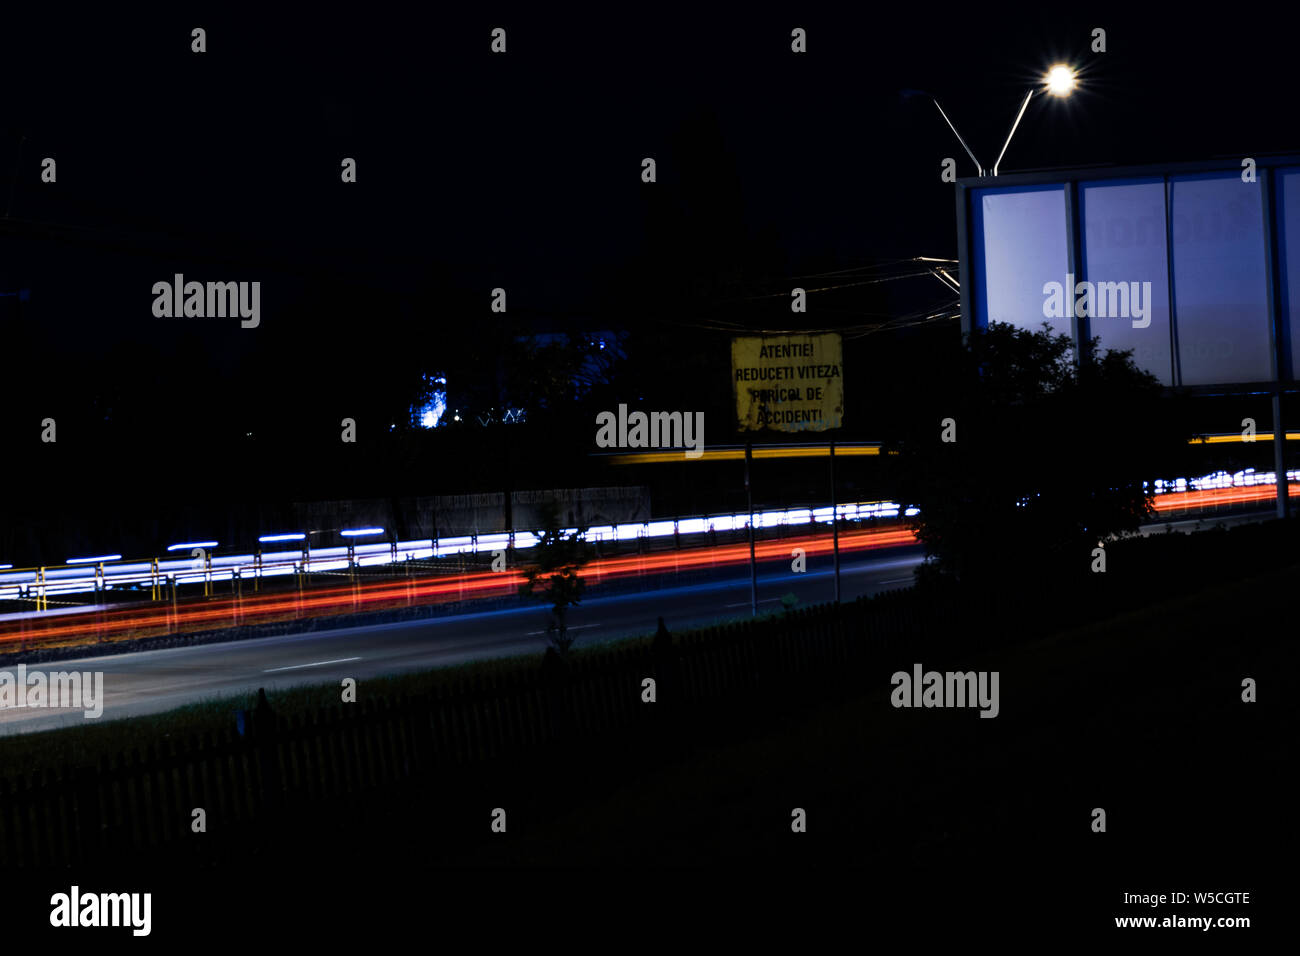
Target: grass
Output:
[{"x": 1141, "y": 714}]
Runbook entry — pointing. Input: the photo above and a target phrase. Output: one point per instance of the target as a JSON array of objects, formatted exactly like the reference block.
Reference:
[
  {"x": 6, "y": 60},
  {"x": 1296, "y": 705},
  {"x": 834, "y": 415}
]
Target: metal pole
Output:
[
  {"x": 753, "y": 565},
  {"x": 1023, "y": 107},
  {"x": 835, "y": 527},
  {"x": 978, "y": 168},
  {"x": 1279, "y": 459}
]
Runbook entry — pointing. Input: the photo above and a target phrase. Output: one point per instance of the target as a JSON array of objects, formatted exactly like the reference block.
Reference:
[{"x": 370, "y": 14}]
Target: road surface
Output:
[
  {"x": 152, "y": 681},
  {"x": 147, "y": 682}
]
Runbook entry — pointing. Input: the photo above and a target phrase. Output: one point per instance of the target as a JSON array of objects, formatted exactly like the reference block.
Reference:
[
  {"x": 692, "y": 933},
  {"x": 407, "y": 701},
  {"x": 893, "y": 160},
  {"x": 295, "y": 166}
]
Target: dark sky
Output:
[
  {"x": 520, "y": 170},
  {"x": 525, "y": 166}
]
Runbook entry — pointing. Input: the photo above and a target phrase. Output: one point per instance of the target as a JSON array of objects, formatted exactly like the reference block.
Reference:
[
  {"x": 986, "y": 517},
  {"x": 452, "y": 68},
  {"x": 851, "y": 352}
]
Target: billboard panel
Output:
[
  {"x": 1287, "y": 184},
  {"x": 1022, "y": 247},
  {"x": 1195, "y": 268},
  {"x": 1220, "y": 291},
  {"x": 1124, "y": 243}
]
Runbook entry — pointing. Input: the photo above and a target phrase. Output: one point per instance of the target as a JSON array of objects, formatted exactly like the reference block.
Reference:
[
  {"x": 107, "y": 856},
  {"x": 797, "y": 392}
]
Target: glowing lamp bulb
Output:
[{"x": 1060, "y": 81}]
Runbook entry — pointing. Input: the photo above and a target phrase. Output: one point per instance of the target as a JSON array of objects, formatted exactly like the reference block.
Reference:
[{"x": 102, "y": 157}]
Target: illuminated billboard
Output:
[{"x": 1195, "y": 268}]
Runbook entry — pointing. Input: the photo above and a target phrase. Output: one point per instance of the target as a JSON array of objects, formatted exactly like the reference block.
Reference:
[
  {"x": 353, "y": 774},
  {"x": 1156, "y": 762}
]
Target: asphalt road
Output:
[{"x": 152, "y": 681}]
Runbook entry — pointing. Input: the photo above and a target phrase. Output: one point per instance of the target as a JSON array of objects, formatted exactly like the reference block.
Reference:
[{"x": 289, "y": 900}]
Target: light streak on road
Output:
[
  {"x": 70, "y": 580},
  {"x": 60, "y": 585},
  {"x": 150, "y": 619}
]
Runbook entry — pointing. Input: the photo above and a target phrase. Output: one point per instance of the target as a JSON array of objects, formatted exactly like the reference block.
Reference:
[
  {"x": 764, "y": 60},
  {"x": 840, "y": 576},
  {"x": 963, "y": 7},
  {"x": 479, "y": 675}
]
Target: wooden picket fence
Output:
[{"x": 141, "y": 800}]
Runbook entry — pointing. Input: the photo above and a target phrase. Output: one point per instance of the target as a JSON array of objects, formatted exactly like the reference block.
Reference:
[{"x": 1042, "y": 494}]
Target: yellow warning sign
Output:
[{"x": 788, "y": 383}]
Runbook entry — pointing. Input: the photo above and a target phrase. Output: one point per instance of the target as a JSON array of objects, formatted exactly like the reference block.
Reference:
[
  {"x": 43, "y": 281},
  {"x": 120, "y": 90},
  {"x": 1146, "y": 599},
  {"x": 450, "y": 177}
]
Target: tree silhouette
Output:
[
  {"x": 1050, "y": 457},
  {"x": 553, "y": 576}
]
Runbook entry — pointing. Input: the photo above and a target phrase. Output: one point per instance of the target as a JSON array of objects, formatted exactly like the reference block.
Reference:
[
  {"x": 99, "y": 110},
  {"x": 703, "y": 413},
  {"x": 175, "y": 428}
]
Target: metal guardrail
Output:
[{"x": 163, "y": 575}]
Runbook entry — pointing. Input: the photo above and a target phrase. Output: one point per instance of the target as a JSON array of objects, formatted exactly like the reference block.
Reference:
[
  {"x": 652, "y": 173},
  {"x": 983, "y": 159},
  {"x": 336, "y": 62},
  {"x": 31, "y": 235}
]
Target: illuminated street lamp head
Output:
[{"x": 1060, "y": 80}]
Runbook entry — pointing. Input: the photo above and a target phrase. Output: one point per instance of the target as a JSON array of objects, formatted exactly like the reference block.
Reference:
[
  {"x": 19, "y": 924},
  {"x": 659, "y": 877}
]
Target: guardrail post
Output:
[{"x": 835, "y": 525}]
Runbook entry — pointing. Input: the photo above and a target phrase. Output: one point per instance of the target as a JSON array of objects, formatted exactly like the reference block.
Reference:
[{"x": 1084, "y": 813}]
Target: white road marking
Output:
[
  {"x": 577, "y": 627},
  {"x": 294, "y": 667}
]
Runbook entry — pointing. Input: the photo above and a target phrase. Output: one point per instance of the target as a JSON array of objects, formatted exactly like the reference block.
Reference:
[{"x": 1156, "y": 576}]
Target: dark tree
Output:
[
  {"x": 1050, "y": 459},
  {"x": 553, "y": 576}
]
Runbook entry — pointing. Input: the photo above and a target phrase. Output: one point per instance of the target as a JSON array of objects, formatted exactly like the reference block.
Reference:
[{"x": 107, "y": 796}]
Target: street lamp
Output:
[{"x": 1059, "y": 81}]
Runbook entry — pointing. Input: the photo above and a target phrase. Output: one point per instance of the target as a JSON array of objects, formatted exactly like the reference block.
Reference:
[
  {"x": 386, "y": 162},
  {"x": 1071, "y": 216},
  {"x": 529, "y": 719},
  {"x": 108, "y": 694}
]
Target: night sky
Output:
[
  {"x": 522, "y": 170},
  {"x": 525, "y": 167}
]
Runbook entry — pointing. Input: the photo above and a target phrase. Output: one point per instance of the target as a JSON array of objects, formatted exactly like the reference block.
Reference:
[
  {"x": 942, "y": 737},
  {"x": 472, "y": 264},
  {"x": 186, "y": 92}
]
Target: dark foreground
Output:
[{"x": 925, "y": 819}]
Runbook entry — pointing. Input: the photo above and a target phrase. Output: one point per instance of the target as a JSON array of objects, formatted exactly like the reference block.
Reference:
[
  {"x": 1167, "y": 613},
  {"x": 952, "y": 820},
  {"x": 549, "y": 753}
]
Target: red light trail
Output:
[{"x": 159, "y": 618}]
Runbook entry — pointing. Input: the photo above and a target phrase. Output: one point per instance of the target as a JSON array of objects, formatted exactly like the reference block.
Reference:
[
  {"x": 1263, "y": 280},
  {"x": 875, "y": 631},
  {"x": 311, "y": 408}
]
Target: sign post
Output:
[
  {"x": 753, "y": 564},
  {"x": 788, "y": 383},
  {"x": 1282, "y": 486},
  {"x": 835, "y": 527}
]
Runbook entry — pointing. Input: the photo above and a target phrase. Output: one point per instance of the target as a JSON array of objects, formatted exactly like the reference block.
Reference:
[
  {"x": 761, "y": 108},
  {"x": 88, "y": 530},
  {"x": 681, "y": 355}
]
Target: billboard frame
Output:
[{"x": 1283, "y": 378}]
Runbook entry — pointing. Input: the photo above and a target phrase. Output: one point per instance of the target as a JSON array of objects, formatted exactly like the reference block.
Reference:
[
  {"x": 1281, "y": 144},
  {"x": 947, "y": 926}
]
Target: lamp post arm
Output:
[
  {"x": 978, "y": 167},
  {"x": 1023, "y": 107}
]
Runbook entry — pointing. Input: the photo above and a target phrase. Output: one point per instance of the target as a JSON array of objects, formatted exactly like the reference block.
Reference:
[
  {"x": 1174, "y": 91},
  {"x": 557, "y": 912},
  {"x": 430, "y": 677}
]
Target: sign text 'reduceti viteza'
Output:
[{"x": 788, "y": 383}]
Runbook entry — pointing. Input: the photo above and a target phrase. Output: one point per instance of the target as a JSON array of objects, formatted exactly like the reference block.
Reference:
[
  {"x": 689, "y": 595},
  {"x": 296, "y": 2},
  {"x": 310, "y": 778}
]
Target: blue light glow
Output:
[
  {"x": 430, "y": 414},
  {"x": 192, "y": 544}
]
